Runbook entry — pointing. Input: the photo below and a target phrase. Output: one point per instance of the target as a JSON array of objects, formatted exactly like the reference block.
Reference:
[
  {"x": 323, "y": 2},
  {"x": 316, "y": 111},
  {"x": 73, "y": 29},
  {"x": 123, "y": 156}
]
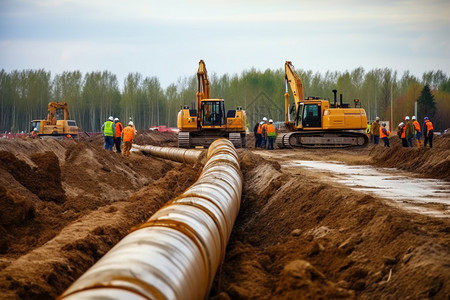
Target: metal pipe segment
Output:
[
  {"x": 176, "y": 253},
  {"x": 189, "y": 156}
]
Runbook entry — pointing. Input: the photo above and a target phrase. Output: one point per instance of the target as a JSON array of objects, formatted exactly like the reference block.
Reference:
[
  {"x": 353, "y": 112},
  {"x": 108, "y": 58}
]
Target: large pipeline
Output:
[
  {"x": 176, "y": 253},
  {"x": 189, "y": 156}
]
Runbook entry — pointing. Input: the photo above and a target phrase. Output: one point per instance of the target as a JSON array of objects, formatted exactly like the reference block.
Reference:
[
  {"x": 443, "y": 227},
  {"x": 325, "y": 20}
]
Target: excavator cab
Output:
[
  {"x": 213, "y": 113},
  {"x": 311, "y": 115}
]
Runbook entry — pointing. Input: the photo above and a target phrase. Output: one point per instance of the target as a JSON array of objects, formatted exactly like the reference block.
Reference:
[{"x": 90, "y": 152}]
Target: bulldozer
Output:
[
  {"x": 318, "y": 123},
  {"x": 208, "y": 121},
  {"x": 57, "y": 123}
]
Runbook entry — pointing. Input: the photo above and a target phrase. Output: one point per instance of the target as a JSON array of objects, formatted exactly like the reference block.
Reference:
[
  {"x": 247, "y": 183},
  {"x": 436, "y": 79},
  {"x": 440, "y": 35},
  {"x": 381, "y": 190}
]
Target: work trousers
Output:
[
  {"x": 127, "y": 148},
  {"x": 376, "y": 139},
  {"x": 258, "y": 139},
  {"x": 386, "y": 141},
  {"x": 270, "y": 139},
  {"x": 109, "y": 142},
  {"x": 428, "y": 138},
  {"x": 117, "y": 142}
]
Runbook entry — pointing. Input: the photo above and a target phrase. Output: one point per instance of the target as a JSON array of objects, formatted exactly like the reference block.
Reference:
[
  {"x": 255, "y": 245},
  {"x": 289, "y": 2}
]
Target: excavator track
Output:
[
  {"x": 184, "y": 140},
  {"x": 322, "y": 139},
  {"x": 237, "y": 139}
]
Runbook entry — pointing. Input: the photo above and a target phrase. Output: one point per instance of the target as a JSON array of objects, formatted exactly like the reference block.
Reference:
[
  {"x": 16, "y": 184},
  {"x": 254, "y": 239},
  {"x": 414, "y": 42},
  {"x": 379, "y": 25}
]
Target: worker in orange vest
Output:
[
  {"x": 427, "y": 132},
  {"x": 418, "y": 133},
  {"x": 401, "y": 132},
  {"x": 128, "y": 139},
  {"x": 271, "y": 134},
  {"x": 118, "y": 137},
  {"x": 384, "y": 134},
  {"x": 264, "y": 133},
  {"x": 258, "y": 134}
]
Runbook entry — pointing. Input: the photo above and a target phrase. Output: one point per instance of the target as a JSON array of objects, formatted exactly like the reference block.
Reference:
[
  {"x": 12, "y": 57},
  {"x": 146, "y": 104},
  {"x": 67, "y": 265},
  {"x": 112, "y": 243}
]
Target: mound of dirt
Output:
[{"x": 301, "y": 238}]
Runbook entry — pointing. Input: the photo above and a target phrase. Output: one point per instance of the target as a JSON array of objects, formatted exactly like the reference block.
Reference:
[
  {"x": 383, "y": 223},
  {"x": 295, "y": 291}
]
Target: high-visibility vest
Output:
[
  {"x": 264, "y": 129},
  {"x": 128, "y": 134},
  {"x": 108, "y": 128},
  {"x": 259, "y": 130},
  {"x": 271, "y": 130},
  {"x": 119, "y": 129},
  {"x": 429, "y": 126},
  {"x": 404, "y": 132},
  {"x": 416, "y": 125},
  {"x": 382, "y": 134}
]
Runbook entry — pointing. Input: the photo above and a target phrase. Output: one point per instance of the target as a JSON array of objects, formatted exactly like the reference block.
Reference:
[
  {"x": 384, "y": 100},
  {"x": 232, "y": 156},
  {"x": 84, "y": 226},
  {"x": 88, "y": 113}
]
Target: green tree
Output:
[{"x": 426, "y": 105}]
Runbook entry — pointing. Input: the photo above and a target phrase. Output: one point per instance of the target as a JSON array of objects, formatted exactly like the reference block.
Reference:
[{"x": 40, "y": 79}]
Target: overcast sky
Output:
[{"x": 166, "y": 38}]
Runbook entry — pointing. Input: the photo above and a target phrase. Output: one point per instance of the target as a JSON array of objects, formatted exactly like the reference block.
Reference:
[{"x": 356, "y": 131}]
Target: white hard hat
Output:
[
  {"x": 130, "y": 123},
  {"x": 407, "y": 118},
  {"x": 270, "y": 121},
  {"x": 377, "y": 118},
  {"x": 264, "y": 119},
  {"x": 413, "y": 117},
  {"x": 401, "y": 123},
  {"x": 35, "y": 129},
  {"x": 261, "y": 122},
  {"x": 116, "y": 119},
  {"x": 111, "y": 118}
]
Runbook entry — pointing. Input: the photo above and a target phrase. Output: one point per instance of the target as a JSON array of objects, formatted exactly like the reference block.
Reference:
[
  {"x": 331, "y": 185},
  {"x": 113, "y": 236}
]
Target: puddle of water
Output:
[{"x": 405, "y": 191}]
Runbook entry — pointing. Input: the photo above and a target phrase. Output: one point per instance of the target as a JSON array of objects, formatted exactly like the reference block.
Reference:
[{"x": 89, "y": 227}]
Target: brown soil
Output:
[{"x": 64, "y": 204}]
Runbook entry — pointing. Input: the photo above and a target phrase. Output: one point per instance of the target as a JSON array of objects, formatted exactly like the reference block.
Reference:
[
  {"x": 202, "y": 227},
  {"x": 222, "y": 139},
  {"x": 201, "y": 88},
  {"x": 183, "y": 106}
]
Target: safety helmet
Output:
[
  {"x": 270, "y": 121},
  {"x": 401, "y": 124},
  {"x": 413, "y": 117},
  {"x": 383, "y": 124},
  {"x": 111, "y": 118},
  {"x": 116, "y": 119},
  {"x": 407, "y": 118},
  {"x": 264, "y": 119},
  {"x": 130, "y": 123},
  {"x": 377, "y": 118},
  {"x": 261, "y": 122},
  {"x": 426, "y": 118},
  {"x": 35, "y": 129}
]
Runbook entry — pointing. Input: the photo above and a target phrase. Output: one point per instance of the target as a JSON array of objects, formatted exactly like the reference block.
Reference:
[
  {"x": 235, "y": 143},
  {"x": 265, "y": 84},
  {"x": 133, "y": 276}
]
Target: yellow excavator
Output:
[
  {"x": 57, "y": 123},
  {"x": 209, "y": 121},
  {"x": 318, "y": 123}
]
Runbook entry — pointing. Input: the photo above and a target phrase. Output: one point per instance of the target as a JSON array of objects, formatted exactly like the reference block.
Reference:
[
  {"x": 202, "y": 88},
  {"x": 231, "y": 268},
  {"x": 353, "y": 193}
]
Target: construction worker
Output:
[
  {"x": 271, "y": 134},
  {"x": 264, "y": 133},
  {"x": 409, "y": 134},
  {"x": 34, "y": 133},
  {"x": 109, "y": 132},
  {"x": 427, "y": 132},
  {"x": 384, "y": 134},
  {"x": 118, "y": 137},
  {"x": 258, "y": 134},
  {"x": 128, "y": 138},
  {"x": 401, "y": 133},
  {"x": 375, "y": 130},
  {"x": 418, "y": 133}
]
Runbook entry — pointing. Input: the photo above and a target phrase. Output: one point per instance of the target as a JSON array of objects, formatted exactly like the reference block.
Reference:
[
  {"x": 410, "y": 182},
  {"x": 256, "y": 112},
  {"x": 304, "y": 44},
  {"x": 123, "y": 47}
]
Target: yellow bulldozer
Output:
[
  {"x": 318, "y": 123},
  {"x": 57, "y": 123},
  {"x": 209, "y": 121}
]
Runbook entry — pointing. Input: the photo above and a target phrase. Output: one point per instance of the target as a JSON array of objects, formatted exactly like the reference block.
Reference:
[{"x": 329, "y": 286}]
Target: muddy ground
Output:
[{"x": 64, "y": 204}]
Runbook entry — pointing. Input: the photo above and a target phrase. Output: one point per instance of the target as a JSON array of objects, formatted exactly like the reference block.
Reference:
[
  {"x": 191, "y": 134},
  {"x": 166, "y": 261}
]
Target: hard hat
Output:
[
  {"x": 261, "y": 122},
  {"x": 116, "y": 119},
  {"x": 111, "y": 118},
  {"x": 377, "y": 118},
  {"x": 270, "y": 121},
  {"x": 426, "y": 118},
  {"x": 264, "y": 119},
  {"x": 35, "y": 129},
  {"x": 130, "y": 123},
  {"x": 383, "y": 124},
  {"x": 413, "y": 117},
  {"x": 401, "y": 124},
  {"x": 407, "y": 118}
]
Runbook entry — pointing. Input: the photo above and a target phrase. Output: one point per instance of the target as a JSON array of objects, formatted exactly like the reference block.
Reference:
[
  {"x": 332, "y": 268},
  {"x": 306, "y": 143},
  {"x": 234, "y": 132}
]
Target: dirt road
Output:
[{"x": 299, "y": 235}]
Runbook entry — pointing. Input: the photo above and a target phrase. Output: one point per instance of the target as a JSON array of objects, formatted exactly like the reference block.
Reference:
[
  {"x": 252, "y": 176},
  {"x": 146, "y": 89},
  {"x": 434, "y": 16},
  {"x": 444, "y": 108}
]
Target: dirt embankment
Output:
[{"x": 64, "y": 204}]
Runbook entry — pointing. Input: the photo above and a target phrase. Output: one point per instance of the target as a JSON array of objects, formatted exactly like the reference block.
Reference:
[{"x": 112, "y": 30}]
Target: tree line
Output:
[{"x": 94, "y": 96}]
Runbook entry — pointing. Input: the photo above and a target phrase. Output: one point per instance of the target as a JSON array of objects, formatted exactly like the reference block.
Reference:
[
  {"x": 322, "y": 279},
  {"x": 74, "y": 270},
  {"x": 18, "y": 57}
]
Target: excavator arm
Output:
[
  {"x": 52, "y": 107},
  {"x": 294, "y": 81},
  {"x": 203, "y": 84}
]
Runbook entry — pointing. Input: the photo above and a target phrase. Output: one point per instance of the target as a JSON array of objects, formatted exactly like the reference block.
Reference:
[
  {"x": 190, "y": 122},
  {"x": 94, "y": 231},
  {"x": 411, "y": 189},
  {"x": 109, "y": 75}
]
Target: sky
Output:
[{"x": 166, "y": 39}]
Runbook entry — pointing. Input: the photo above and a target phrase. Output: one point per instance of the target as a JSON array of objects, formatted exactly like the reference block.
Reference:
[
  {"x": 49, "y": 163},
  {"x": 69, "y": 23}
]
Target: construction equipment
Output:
[
  {"x": 57, "y": 123},
  {"x": 317, "y": 122},
  {"x": 209, "y": 121}
]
